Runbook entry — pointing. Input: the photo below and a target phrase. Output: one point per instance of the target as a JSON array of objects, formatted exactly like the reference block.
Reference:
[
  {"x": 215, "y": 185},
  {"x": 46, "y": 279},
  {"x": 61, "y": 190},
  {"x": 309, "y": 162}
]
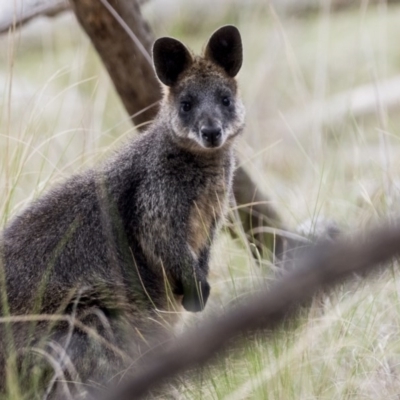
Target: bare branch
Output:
[
  {"x": 325, "y": 265},
  {"x": 17, "y": 13}
]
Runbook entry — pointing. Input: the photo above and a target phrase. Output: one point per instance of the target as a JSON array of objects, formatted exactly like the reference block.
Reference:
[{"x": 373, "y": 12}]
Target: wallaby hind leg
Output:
[{"x": 78, "y": 357}]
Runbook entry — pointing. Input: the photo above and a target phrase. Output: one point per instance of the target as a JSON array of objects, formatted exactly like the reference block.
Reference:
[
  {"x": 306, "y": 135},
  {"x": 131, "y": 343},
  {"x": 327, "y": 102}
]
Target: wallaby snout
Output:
[{"x": 211, "y": 136}]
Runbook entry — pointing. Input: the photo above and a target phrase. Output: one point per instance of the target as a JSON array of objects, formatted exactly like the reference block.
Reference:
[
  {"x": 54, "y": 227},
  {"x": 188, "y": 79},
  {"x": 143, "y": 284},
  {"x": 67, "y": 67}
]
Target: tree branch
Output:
[
  {"x": 19, "y": 13},
  {"x": 324, "y": 265}
]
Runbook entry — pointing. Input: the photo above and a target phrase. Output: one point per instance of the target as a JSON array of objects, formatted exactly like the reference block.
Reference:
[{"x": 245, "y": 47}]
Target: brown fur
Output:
[{"x": 206, "y": 212}]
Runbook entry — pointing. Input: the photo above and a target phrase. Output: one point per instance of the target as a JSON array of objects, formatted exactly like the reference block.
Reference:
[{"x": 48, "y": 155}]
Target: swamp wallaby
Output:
[{"x": 113, "y": 246}]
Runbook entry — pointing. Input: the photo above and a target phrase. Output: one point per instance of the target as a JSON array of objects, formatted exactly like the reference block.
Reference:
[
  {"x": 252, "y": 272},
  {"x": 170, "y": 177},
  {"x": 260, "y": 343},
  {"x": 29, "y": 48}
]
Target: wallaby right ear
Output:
[
  {"x": 225, "y": 49},
  {"x": 170, "y": 59}
]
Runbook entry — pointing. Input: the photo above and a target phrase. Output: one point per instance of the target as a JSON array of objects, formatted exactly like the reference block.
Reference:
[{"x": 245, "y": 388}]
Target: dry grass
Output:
[{"x": 58, "y": 114}]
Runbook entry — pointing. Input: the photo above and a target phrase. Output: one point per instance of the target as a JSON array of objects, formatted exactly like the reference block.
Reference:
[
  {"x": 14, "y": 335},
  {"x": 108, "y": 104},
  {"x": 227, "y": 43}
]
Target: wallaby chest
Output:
[{"x": 208, "y": 208}]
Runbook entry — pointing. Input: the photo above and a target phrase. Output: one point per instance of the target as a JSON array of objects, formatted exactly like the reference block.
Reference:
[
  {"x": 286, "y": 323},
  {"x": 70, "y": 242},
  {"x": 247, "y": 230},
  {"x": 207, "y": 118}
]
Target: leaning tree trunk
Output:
[
  {"x": 128, "y": 64},
  {"x": 123, "y": 40}
]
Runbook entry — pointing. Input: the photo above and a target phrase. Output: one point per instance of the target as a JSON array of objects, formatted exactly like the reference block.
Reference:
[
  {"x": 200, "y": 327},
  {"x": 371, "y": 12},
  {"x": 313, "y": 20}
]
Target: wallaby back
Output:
[{"x": 113, "y": 246}]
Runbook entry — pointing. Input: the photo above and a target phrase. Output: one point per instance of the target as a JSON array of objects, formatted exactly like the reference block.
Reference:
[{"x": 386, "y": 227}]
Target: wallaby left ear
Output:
[{"x": 225, "y": 49}]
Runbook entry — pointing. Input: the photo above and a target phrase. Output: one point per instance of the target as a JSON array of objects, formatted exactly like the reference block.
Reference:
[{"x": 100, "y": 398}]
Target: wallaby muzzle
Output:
[{"x": 211, "y": 136}]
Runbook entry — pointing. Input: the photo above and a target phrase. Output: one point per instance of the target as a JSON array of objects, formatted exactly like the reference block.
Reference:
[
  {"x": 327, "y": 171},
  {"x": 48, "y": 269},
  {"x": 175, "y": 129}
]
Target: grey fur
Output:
[{"x": 133, "y": 236}]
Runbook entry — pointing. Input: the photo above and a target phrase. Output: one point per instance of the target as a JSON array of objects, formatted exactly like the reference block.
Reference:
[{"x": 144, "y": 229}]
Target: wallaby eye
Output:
[
  {"x": 186, "y": 106},
  {"x": 226, "y": 102}
]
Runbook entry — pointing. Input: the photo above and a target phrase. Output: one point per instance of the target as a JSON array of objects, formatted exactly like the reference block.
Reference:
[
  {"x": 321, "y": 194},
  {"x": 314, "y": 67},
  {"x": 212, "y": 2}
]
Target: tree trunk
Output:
[
  {"x": 128, "y": 65},
  {"x": 131, "y": 71}
]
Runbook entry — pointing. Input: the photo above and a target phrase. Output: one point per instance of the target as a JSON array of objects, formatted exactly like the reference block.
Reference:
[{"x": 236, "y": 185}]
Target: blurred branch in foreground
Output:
[
  {"x": 21, "y": 11},
  {"x": 323, "y": 266}
]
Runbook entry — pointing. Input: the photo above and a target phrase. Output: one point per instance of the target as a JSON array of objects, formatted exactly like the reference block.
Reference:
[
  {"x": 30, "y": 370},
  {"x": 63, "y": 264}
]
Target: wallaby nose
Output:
[{"x": 211, "y": 134}]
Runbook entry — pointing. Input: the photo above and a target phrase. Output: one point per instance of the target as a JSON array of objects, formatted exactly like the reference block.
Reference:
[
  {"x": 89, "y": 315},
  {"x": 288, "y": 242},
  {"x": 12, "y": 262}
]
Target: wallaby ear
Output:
[
  {"x": 170, "y": 58},
  {"x": 225, "y": 49}
]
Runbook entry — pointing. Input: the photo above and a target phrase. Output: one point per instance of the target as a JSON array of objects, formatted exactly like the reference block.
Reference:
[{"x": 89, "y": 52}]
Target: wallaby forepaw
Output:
[{"x": 195, "y": 298}]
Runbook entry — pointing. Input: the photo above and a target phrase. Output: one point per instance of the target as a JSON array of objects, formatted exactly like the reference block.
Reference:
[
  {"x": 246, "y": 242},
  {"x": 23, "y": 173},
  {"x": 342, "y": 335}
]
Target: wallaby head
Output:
[{"x": 202, "y": 99}]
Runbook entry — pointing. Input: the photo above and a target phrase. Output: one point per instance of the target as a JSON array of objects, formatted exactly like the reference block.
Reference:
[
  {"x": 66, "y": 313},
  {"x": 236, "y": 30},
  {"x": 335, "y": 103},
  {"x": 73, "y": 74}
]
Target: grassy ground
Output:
[{"x": 58, "y": 114}]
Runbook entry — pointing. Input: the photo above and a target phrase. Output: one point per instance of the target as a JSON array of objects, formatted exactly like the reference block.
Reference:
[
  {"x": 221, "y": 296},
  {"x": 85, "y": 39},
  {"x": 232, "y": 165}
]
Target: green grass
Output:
[{"x": 59, "y": 114}]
